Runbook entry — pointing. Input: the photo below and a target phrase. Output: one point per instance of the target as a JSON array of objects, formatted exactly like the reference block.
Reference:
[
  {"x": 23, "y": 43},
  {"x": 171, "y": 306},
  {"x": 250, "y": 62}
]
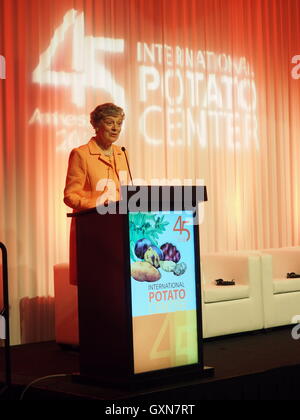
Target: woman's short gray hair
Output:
[{"x": 103, "y": 111}]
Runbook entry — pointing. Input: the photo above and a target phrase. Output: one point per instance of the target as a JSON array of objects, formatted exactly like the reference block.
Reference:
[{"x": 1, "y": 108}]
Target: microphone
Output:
[{"x": 124, "y": 151}]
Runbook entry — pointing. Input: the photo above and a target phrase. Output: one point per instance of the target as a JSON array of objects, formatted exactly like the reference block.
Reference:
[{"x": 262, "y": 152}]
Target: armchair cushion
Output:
[
  {"x": 214, "y": 293},
  {"x": 284, "y": 285}
]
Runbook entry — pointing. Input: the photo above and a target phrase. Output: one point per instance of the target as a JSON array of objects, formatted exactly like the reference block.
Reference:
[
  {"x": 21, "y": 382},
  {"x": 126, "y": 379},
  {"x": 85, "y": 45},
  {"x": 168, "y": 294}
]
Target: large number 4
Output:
[
  {"x": 182, "y": 339},
  {"x": 87, "y": 71}
]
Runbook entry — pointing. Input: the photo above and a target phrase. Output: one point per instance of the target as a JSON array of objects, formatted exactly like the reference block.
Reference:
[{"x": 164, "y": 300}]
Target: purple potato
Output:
[
  {"x": 141, "y": 247},
  {"x": 170, "y": 252}
]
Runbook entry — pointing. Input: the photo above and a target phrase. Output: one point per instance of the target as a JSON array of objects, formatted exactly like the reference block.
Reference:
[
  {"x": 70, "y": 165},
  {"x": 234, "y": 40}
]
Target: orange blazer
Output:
[{"x": 87, "y": 166}]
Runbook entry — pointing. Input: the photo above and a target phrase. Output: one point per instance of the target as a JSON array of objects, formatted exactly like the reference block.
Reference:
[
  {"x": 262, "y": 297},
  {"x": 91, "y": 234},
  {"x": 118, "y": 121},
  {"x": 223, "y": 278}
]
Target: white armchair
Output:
[
  {"x": 231, "y": 309},
  {"x": 281, "y": 295}
]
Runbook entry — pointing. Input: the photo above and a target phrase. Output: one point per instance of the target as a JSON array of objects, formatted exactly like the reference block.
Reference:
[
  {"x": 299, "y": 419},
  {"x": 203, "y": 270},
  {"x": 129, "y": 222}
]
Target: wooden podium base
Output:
[{"x": 146, "y": 380}]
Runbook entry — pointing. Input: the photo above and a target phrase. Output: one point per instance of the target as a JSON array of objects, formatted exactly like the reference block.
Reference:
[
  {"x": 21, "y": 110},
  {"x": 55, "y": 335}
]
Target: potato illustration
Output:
[
  {"x": 144, "y": 271},
  {"x": 180, "y": 269},
  {"x": 168, "y": 265},
  {"x": 152, "y": 256}
]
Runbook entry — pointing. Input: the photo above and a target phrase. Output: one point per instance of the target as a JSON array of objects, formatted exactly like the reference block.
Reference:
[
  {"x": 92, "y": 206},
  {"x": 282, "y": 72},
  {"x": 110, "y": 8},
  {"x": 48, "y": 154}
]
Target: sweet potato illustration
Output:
[{"x": 144, "y": 271}]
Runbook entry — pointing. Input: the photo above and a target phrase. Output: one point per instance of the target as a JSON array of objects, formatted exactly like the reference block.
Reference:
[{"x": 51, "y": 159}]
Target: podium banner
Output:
[{"x": 163, "y": 289}]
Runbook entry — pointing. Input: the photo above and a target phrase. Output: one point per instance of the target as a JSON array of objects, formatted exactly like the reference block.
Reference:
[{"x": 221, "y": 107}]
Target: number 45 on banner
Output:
[
  {"x": 87, "y": 71},
  {"x": 179, "y": 227}
]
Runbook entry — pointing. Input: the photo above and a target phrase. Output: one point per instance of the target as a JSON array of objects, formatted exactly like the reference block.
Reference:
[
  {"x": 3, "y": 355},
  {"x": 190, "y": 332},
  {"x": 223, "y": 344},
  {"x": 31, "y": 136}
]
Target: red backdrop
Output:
[{"x": 210, "y": 89}]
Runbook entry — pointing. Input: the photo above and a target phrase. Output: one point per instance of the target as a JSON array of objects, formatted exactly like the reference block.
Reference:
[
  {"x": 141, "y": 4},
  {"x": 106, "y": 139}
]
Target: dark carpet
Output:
[{"x": 264, "y": 365}]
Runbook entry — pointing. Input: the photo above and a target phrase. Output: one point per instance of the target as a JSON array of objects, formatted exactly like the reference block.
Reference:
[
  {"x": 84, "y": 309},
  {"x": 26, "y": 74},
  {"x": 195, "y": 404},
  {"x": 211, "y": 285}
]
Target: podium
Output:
[{"x": 139, "y": 297}]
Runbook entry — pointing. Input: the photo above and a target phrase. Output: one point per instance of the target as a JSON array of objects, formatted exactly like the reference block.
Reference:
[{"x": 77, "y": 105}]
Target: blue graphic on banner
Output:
[{"x": 162, "y": 258}]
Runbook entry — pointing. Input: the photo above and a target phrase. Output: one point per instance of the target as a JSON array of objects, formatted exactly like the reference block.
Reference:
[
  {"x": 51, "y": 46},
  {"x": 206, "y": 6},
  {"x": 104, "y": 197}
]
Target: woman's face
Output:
[{"x": 109, "y": 130}]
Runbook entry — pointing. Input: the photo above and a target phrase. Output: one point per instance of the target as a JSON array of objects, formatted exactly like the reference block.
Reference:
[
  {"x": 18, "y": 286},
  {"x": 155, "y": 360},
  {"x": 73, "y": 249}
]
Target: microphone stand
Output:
[
  {"x": 5, "y": 313},
  {"x": 127, "y": 163}
]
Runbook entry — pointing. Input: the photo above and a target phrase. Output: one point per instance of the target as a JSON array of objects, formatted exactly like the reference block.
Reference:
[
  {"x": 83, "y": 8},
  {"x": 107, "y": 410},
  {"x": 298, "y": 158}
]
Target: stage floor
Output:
[{"x": 263, "y": 365}]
